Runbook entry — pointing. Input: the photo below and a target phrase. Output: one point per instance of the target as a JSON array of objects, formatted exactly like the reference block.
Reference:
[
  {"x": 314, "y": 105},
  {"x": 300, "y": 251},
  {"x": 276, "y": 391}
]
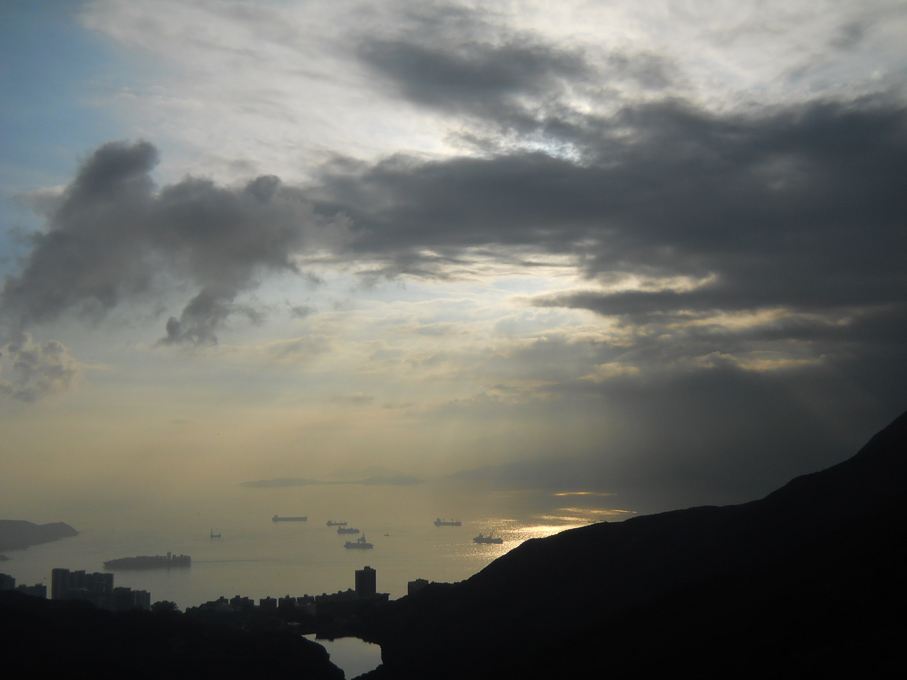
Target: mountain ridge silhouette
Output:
[{"x": 547, "y": 590}]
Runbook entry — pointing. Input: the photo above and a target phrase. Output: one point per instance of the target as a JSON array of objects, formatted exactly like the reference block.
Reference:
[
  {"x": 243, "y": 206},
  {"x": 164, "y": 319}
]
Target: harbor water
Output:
[{"x": 256, "y": 557}]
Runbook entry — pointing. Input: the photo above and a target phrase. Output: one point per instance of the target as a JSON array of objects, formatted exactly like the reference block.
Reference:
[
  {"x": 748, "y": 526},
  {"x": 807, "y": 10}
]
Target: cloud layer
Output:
[
  {"x": 627, "y": 233},
  {"x": 114, "y": 237}
]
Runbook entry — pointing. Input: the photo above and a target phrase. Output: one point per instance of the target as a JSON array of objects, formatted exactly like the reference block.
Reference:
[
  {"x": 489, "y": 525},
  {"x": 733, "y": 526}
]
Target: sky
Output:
[{"x": 652, "y": 249}]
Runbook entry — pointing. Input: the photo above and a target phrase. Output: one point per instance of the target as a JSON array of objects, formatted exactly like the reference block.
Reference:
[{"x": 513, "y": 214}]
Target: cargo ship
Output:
[
  {"x": 275, "y": 518},
  {"x": 448, "y": 523},
  {"x": 360, "y": 543},
  {"x": 487, "y": 539},
  {"x": 167, "y": 561},
  {"x": 332, "y": 523},
  {"x": 347, "y": 530}
]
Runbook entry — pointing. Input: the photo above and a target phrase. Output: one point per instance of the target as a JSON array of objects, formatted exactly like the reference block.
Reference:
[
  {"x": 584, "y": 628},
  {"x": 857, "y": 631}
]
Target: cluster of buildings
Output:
[
  {"x": 9, "y": 583},
  {"x": 77, "y": 585},
  {"x": 98, "y": 589},
  {"x": 343, "y": 605}
]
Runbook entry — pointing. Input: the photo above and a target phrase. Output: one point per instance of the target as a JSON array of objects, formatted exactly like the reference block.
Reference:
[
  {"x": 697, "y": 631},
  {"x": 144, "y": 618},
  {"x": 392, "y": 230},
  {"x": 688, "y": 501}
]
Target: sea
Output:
[{"x": 257, "y": 557}]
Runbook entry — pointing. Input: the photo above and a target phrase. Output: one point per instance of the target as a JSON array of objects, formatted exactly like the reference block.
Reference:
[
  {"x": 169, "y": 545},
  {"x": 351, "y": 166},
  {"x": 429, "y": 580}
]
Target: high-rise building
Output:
[
  {"x": 366, "y": 582},
  {"x": 77, "y": 585}
]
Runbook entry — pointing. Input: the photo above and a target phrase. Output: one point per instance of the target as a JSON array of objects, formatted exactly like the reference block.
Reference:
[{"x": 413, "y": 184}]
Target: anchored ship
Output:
[
  {"x": 487, "y": 539},
  {"x": 347, "y": 530},
  {"x": 332, "y": 523},
  {"x": 275, "y": 518},
  {"x": 448, "y": 523},
  {"x": 167, "y": 561},
  {"x": 359, "y": 543}
]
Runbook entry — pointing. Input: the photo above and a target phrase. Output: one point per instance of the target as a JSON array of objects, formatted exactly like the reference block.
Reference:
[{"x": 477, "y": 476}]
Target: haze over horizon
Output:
[{"x": 650, "y": 250}]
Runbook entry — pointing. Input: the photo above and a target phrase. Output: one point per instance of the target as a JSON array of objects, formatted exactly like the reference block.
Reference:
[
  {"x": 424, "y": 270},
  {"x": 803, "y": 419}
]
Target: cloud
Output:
[
  {"x": 797, "y": 207},
  {"x": 301, "y": 311},
  {"x": 34, "y": 371},
  {"x": 297, "y": 349},
  {"x": 478, "y": 78},
  {"x": 115, "y": 237},
  {"x": 356, "y": 399}
]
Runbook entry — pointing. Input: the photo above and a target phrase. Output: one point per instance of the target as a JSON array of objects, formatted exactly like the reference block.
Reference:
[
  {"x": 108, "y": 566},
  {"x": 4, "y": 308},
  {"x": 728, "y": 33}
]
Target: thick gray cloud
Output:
[
  {"x": 474, "y": 78},
  {"x": 114, "y": 237},
  {"x": 800, "y": 207},
  {"x": 464, "y": 62}
]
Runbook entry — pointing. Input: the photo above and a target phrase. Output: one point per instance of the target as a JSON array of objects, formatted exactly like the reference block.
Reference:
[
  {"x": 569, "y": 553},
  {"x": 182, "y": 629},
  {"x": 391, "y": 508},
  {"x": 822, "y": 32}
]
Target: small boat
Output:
[
  {"x": 276, "y": 518},
  {"x": 360, "y": 544},
  {"x": 488, "y": 539},
  {"x": 448, "y": 523},
  {"x": 347, "y": 530},
  {"x": 213, "y": 535},
  {"x": 332, "y": 523}
]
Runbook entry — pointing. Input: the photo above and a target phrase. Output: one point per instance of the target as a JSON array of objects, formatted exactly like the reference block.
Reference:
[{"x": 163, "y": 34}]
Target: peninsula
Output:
[{"x": 18, "y": 534}]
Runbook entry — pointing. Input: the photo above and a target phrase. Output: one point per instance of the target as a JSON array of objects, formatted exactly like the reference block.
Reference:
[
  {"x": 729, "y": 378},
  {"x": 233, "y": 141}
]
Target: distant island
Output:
[
  {"x": 167, "y": 561},
  {"x": 16, "y": 534},
  {"x": 280, "y": 482}
]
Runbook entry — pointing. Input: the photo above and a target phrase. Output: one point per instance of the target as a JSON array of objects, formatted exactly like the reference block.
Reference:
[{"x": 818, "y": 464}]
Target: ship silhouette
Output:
[
  {"x": 277, "y": 518},
  {"x": 448, "y": 523},
  {"x": 487, "y": 539},
  {"x": 360, "y": 544}
]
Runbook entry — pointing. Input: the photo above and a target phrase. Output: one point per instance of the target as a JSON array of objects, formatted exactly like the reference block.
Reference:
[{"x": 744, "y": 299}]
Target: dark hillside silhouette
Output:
[
  {"x": 832, "y": 610},
  {"x": 72, "y": 639},
  {"x": 550, "y": 590}
]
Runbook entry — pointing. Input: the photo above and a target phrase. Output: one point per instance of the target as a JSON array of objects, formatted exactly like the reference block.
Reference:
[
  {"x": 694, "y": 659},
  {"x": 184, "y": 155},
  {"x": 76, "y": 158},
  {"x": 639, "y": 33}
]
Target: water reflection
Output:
[{"x": 352, "y": 655}]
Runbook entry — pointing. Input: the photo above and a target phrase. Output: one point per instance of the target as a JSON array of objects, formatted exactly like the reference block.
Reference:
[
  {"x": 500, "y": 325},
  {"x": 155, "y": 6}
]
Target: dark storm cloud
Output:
[
  {"x": 114, "y": 237},
  {"x": 800, "y": 207},
  {"x": 464, "y": 62},
  {"x": 477, "y": 78}
]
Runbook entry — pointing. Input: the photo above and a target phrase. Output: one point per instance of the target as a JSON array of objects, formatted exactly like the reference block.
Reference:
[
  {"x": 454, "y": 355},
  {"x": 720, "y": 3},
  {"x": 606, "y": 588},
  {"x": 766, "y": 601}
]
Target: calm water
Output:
[
  {"x": 257, "y": 557},
  {"x": 352, "y": 655}
]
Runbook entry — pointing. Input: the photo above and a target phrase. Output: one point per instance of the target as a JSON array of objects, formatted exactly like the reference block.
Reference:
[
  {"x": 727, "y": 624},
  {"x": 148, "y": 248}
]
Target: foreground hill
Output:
[
  {"x": 580, "y": 583},
  {"x": 16, "y": 534},
  {"x": 51, "y": 639}
]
